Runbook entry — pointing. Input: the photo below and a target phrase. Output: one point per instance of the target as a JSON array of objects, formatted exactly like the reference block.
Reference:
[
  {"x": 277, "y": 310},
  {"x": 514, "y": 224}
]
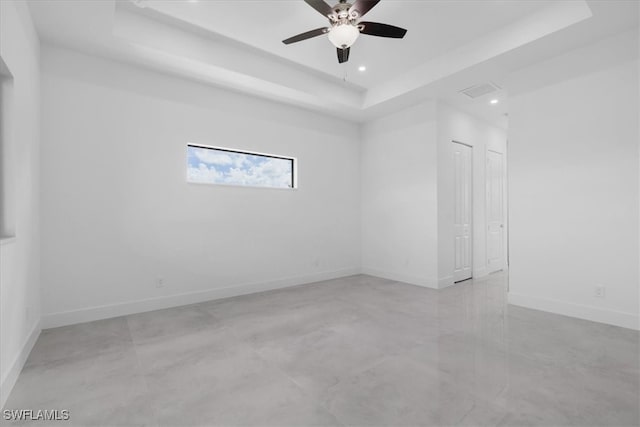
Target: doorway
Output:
[{"x": 463, "y": 211}]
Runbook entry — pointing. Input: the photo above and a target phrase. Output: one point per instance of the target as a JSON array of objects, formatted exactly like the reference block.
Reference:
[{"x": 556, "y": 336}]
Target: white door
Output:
[
  {"x": 495, "y": 211},
  {"x": 462, "y": 212}
]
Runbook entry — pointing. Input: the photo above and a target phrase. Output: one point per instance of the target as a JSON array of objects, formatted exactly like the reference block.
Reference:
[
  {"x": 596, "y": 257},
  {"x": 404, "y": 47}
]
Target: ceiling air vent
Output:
[{"x": 480, "y": 90}]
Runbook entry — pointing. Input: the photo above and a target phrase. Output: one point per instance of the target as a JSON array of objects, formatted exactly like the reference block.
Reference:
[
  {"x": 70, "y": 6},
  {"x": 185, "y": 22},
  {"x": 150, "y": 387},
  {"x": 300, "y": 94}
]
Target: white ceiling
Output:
[
  {"x": 449, "y": 46},
  {"x": 434, "y": 27}
]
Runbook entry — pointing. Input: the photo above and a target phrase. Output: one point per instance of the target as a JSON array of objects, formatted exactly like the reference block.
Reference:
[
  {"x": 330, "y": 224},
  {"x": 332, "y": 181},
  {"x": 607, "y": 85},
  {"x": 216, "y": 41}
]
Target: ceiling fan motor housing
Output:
[{"x": 343, "y": 12}]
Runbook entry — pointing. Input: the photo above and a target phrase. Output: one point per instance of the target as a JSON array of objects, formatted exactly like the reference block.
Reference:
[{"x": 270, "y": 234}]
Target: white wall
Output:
[
  {"x": 573, "y": 153},
  {"x": 455, "y": 125},
  {"x": 407, "y": 192},
  {"x": 118, "y": 214},
  {"x": 19, "y": 256},
  {"x": 399, "y": 198}
]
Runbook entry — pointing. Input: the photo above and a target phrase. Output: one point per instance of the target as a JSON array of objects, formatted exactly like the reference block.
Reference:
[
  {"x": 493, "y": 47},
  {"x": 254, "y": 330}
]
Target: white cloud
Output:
[
  {"x": 212, "y": 157},
  {"x": 239, "y": 169},
  {"x": 271, "y": 173},
  {"x": 203, "y": 173},
  {"x": 239, "y": 160}
]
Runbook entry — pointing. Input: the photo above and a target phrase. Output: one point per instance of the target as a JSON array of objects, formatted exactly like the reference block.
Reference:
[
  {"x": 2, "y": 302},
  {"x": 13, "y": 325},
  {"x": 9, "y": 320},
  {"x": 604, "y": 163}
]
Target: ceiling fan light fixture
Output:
[
  {"x": 343, "y": 35},
  {"x": 345, "y": 26}
]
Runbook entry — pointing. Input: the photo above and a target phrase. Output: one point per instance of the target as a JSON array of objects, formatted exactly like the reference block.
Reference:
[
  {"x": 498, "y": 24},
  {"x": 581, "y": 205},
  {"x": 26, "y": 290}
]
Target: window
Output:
[{"x": 211, "y": 165}]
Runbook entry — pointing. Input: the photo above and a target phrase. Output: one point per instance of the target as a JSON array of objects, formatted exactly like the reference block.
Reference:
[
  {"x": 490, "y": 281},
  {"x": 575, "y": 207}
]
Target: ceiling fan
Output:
[{"x": 345, "y": 27}]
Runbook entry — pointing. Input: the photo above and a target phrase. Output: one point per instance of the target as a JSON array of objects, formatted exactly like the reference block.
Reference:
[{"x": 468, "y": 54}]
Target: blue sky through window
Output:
[{"x": 214, "y": 166}]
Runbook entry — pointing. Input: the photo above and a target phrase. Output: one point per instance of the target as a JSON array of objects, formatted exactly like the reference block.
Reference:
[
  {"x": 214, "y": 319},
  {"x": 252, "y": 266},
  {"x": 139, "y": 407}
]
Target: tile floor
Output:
[{"x": 359, "y": 351}]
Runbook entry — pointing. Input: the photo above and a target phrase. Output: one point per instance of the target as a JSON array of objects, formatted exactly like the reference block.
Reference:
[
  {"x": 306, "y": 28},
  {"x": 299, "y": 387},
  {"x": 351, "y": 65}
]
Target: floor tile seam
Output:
[
  {"x": 203, "y": 310},
  {"x": 340, "y": 333},
  {"x": 368, "y": 306},
  {"x": 501, "y": 419},
  {"x": 233, "y": 330},
  {"x": 134, "y": 340},
  {"x": 300, "y": 387},
  {"x": 196, "y": 307},
  {"x": 373, "y": 364},
  {"x": 359, "y": 304},
  {"x": 141, "y": 373},
  {"x": 158, "y": 338},
  {"x": 549, "y": 361},
  {"x": 461, "y": 419},
  {"x": 353, "y": 301},
  {"x": 90, "y": 357},
  {"x": 324, "y": 406},
  {"x": 351, "y": 375},
  {"x": 264, "y": 292},
  {"x": 490, "y": 401}
]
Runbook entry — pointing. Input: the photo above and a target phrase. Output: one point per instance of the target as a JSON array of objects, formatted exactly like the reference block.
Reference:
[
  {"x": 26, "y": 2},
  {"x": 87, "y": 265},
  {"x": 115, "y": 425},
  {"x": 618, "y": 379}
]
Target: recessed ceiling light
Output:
[
  {"x": 362, "y": 68},
  {"x": 192, "y": 1},
  {"x": 494, "y": 101}
]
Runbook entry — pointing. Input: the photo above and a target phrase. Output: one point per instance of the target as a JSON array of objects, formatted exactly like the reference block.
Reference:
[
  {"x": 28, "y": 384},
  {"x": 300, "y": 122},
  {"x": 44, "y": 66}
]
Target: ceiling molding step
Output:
[
  {"x": 555, "y": 17},
  {"x": 163, "y": 46}
]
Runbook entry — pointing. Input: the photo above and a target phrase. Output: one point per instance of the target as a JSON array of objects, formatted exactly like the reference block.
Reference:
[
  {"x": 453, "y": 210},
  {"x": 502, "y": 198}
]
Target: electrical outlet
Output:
[
  {"x": 160, "y": 282},
  {"x": 599, "y": 291}
]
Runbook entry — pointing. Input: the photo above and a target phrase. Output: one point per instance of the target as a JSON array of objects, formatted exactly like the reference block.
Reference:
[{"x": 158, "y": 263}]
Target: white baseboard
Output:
[
  {"x": 54, "y": 320},
  {"x": 480, "y": 272},
  {"x": 445, "y": 282},
  {"x": 399, "y": 277},
  {"x": 11, "y": 376},
  {"x": 610, "y": 317}
]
